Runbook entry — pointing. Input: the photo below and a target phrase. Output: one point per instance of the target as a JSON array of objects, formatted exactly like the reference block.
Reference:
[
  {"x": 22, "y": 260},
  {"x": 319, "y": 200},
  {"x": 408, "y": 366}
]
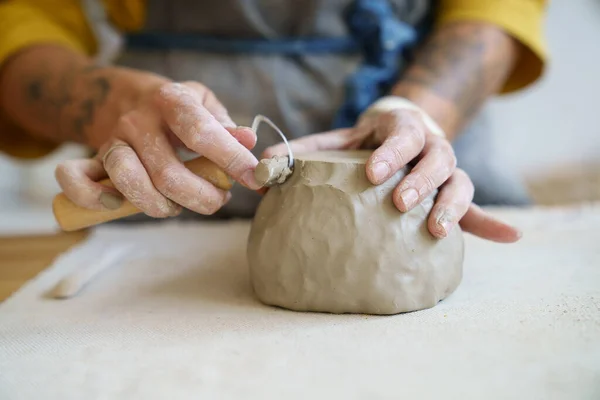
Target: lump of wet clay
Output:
[{"x": 328, "y": 240}]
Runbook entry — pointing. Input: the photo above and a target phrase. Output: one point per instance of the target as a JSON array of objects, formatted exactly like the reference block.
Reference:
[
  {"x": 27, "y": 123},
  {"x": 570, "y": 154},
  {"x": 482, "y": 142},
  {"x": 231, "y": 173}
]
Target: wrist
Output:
[{"x": 389, "y": 103}]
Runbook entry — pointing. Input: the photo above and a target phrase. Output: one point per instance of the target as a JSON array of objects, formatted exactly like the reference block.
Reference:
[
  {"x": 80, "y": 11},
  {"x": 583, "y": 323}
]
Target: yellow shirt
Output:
[{"x": 28, "y": 22}]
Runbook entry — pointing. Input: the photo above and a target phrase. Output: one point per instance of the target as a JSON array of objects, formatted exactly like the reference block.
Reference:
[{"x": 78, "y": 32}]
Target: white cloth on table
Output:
[{"x": 180, "y": 321}]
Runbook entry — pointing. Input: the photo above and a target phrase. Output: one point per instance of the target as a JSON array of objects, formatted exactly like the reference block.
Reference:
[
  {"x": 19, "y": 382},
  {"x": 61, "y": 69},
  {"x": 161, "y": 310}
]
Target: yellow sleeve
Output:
[
  {"x": 522, "y": 19},
  {"x": 25, "y": 23}
]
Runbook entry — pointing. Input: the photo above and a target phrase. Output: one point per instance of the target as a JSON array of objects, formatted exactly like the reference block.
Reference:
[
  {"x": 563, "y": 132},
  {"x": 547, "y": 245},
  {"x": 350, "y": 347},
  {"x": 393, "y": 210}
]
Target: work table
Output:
[
  {"x": 180, "y": 320},
  {"x": 23, "y": 257}
]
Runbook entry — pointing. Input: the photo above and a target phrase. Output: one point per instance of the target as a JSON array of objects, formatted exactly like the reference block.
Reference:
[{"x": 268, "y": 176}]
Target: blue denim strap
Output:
[
  {"x": 383, "y": 40},
  {"x": 290, "y": 47}
]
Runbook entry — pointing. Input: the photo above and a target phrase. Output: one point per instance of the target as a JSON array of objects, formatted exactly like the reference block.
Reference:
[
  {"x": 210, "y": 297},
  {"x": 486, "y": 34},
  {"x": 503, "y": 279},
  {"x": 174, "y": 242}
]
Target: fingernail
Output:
[
  {"x": 445, "y": 220},
  {"x": 381, "y": 170},
  {"x": 249, "y": 180},
  {"x": 110, "y": 200},
  {"x": 409, "y": 198},
  {"x": 227, "y": 198}
]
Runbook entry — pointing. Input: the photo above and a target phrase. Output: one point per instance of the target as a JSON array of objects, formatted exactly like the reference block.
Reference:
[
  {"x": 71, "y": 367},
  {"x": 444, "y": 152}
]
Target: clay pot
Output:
[{"x": 328, "y": 240}]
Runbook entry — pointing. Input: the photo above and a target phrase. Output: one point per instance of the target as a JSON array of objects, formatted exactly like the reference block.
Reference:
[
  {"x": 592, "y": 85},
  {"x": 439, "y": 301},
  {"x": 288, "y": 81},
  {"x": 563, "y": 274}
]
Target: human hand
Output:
[
  {"x": 138, "y": 154},
  {"x": 407, "y": 137}
]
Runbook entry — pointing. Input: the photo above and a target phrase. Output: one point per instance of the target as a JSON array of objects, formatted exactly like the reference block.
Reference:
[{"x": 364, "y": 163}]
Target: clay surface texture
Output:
[{"x": 328, "y": 240}]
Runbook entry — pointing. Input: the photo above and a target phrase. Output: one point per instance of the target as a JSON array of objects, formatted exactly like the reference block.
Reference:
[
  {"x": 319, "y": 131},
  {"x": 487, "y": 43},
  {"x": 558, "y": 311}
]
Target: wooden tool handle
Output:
[{"x": 71, "y": 217}]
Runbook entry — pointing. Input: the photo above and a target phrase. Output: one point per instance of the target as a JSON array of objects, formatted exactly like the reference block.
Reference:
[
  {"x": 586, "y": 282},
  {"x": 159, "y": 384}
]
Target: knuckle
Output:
[
  {"x": 119, "y": 159},
  {"x": 124, "y": 125},
  {"x": 460, "y": 173},
  {"x": 452, "y": 160},
  {"x": 447, "y": 154},
  {"x": 429, "y": 183},
  {"x": 124, "y": 121},
  {"x": 166, "y": 180},
  {"x": 210, "y": 202},
  {"x": 62, "y": 171},
  {"x": 464, "y": 177},
  {"x": 416, "y": 133},
  {"x": 398, "y": 155},
  {"x": 213, "y": 204},
  {"x": 166, "y": 92},
  {"x": 75, "y": 189},
  {"x": 207, "y": 94},
  {"x": 406, "y": 123},
  {"x": 233, "y": 160},
  {"x": 447, "y": 148}
]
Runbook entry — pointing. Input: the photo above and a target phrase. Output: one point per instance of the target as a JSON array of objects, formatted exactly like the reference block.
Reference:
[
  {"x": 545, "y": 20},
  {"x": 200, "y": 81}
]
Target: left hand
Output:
[{"x": 403, "y": 138}]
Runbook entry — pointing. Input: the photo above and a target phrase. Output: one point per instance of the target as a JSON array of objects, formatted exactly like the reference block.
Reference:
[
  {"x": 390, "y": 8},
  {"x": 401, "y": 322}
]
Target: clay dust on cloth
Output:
[{"x": 179, "y": 320}]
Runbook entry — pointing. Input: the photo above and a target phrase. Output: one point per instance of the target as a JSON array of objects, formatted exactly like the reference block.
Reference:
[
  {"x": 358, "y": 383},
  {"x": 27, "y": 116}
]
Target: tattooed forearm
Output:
[
  {"x": 66, "y": 98},
  {"x": 456, "y": 70},
  {"x": 98, "y": 91},
  {"x": 59, "y": 95}
]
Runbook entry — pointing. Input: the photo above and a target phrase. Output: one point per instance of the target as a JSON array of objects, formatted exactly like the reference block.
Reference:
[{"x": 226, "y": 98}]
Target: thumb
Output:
[{"x": 338, "y": 139}]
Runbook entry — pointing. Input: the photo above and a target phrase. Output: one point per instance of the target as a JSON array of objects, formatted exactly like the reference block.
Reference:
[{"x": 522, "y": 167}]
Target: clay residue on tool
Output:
[
  {"x": 328, "y": 240},
  {"x": 271, "y": 171}
]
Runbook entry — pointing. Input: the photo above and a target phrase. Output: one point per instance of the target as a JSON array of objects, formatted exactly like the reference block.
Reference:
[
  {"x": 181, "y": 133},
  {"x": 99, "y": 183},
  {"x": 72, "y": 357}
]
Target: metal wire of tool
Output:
[{"x": 261, "y": 118}]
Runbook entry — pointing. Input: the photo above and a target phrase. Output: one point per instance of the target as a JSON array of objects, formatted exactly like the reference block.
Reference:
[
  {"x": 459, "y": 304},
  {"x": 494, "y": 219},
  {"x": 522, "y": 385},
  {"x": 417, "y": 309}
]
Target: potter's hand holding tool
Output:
[
  {"x": 451, "y": 77},
  {"x": 140, "y": 119},
  {"x": 135, "y": 121}
]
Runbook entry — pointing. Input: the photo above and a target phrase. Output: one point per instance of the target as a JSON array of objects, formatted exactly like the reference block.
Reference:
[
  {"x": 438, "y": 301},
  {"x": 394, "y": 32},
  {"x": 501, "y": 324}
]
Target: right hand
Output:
[{"x": 139, "y": 157}]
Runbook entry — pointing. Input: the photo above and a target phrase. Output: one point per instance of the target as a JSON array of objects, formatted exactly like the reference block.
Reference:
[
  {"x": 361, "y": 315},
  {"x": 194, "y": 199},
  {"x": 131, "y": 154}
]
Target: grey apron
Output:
[{"x": 300, "y": 94}]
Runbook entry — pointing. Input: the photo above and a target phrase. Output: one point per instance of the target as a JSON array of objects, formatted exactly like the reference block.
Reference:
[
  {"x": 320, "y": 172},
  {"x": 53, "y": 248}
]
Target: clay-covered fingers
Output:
[
  {"x": 403, "y": 134},
  {"x": 452, "y": 203},
  {"x": 165, "y": 178},
  {"x": 436, "y": 164},
  {"x": 338, "y": 139},
  {"x": 131, "y": 179},
  {"x": 77, "y": 179},
  {"x": 479, "y": 223},
  {"x": 187, "y": 117}
]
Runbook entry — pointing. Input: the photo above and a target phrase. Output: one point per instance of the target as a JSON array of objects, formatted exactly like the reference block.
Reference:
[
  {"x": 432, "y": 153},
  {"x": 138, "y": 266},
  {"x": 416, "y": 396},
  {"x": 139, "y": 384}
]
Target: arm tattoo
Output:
[
  {"x": 67, "y": 99},
  {"x": 461, "y": 65}
]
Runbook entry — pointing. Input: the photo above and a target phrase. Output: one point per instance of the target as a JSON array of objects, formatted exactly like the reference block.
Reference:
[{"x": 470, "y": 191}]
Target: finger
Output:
[
  {"x": 77, "y": 179},
  {"x": 167, "y": 173},
  {"x": 200, "y": 131},
  {"x": 451, "y": 204},
  {"x": 334, "y": 140},
  {"x": 479, "y": 223},
  {"x": 131, "y": 179},
  {"x": 242, "y": 134},
  {"x": 404, "y": 134},
  {"x": 433, "y": 169},
  {"x": 245, "y": 135}
]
